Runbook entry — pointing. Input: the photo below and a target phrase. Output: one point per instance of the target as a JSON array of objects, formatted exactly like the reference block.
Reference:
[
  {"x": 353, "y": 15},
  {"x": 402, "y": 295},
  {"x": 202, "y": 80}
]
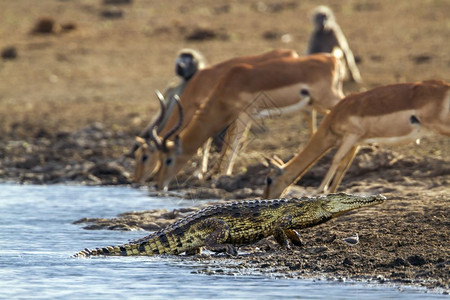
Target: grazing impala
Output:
[
  {"x": 388, "y": 114},
  {"x": 187, "y": 64},
  {"x": 195, "y": 92},
  {"x": 306, "y": 80}
]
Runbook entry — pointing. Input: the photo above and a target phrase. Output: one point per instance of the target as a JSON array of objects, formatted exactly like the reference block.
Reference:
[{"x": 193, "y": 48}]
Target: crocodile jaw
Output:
[{"x": 337, "y": 204}]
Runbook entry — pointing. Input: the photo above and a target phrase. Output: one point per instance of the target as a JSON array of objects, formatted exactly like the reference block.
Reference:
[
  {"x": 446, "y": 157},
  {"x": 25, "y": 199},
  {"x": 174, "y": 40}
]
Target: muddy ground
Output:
[{"x": 73, "y": 98}]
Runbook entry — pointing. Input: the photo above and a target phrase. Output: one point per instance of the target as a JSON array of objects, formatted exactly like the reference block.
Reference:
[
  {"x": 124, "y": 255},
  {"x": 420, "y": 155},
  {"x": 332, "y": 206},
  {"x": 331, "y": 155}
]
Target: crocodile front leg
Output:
[
  {"x": 283, "y": 236},
  {"x": 215, "y": 240},
  {"x": 294, "y": 237}
]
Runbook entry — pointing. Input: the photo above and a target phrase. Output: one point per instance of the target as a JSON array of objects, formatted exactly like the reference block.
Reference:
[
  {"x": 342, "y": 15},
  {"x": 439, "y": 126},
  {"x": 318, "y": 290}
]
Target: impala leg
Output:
[
  {"x": 342, "y": 169},
  {"x": 242, "y": 130},
  {"x": 205, "y": 158},
  {"x": 311, "y": 120},
  {"x": 218, "y": 166},
  {"x": 346, "y": 146}
]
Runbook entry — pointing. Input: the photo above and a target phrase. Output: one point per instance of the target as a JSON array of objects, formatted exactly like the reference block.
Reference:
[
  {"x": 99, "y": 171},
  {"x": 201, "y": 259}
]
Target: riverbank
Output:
[{"x": 402, "y": 241}]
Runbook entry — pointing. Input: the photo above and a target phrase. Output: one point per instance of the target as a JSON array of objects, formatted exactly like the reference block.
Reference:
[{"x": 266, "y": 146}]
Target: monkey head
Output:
[
  {"x": 322, "y": 18},
  {"x": 188, "y": 63}
]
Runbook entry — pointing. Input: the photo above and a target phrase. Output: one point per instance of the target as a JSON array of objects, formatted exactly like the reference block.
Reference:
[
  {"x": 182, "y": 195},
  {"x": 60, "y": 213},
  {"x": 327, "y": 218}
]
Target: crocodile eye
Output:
[
  {"x": 168, "y": 161},
  {"x": 269, "y": 181}
]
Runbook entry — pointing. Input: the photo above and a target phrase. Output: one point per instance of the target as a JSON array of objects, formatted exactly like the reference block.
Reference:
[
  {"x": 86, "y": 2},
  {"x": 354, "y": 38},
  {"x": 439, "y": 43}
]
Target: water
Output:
[{"x": 37, "y": 240}]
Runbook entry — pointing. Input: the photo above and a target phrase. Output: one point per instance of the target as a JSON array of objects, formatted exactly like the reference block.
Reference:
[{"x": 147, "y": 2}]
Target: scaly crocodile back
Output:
[{"x": 238, "y": 223}]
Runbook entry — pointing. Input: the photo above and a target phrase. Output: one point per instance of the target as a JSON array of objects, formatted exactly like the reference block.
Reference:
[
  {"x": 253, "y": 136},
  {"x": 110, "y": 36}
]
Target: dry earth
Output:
[{"x": 72, "y": 99}]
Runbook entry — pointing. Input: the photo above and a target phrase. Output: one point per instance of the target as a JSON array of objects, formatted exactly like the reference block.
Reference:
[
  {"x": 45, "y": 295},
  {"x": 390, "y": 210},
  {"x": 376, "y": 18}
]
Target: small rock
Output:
[
  {"x": 151, "y": 226},
  {"x": 44, "y": 25},
  {"x": 9, "y": 53},
  {"x": 206, "y": 34},
  {"x": 316, "y": 250},
  {"x": 295, "y": 267},
  {"x": 112, "y": 173},
  {"x": 68, "y": 26},
  {"x": 398, "y": 262},
  {"x": 112, "y": 14},
  {"x": 416, "y": 260},
  {"x": 271, "y": 35},
  {"x": 117, "y": 2},
  {"x": 376, "y": 58},
  {"x": 421, "y": 59},
  {"x": 348, "y": 262},
  {"x": 398, "y": 274}
]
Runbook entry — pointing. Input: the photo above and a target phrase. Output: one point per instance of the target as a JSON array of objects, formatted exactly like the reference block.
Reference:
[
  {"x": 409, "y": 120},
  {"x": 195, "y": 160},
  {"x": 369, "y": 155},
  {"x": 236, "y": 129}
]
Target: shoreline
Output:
[{"x": 385, "y": 254}]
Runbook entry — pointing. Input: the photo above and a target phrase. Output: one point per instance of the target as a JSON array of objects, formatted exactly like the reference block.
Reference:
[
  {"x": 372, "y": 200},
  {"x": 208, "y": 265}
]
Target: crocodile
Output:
[{"x": 219, "y": 228}]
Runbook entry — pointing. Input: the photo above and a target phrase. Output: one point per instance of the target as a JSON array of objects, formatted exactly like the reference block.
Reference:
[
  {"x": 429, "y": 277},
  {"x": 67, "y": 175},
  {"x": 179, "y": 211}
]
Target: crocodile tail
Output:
[{"x": 121, "y": 250}]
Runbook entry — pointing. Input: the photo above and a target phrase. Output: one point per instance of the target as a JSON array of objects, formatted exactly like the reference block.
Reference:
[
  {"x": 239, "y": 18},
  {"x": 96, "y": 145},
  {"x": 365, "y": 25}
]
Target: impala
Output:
[
  {"x": 291, "y": 81},
  {"x": 194, "y": 94},
  {"x": 187, "y": 64},
  {"x": 389, "y": 114}
]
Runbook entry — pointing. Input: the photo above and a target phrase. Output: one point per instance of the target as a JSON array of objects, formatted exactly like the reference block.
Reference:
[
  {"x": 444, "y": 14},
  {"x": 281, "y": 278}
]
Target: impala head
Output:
[
  {"x": 147, "y": 153},
  {"x": 188, "y": 63},
  {"x": 273, "y": 186},
  {"x": 168, "y": 151},
  {"x": 168, "y": 160},
  {"x": 146, "y": 160}
]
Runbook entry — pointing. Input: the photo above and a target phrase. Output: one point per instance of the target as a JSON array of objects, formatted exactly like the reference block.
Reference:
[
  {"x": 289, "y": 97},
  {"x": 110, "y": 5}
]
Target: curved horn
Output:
[
  {"x": 153, "y": 129},
  {"x": 176, "y": 127}
]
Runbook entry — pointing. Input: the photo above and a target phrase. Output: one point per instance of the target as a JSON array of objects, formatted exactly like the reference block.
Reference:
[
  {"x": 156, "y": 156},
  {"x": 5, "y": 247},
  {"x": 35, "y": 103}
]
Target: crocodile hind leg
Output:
[
  {"x": 281, "y": 237},
  {"x": 220, "y": 232},
  {"x": 195, "y": 251}
]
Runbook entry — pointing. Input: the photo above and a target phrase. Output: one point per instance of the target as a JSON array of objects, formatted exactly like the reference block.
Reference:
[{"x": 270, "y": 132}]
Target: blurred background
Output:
[{"x": 68, "y": 63}]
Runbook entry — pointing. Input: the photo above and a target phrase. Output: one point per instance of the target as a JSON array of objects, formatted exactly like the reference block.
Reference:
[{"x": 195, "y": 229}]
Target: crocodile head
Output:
[{"x": 340, "y": 203}]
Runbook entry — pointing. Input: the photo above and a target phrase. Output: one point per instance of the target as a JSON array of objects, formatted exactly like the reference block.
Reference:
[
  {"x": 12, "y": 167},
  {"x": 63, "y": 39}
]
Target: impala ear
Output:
[{"x": 139, "y": 140}]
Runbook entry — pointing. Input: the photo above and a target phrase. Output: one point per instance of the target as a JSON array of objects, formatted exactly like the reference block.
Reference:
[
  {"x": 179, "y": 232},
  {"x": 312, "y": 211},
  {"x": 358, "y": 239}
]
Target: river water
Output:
[{"x": 37, "y": 238}]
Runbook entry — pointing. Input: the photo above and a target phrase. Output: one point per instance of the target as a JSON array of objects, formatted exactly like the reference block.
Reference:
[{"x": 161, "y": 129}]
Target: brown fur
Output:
[{"x": 379, "y": 115}]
